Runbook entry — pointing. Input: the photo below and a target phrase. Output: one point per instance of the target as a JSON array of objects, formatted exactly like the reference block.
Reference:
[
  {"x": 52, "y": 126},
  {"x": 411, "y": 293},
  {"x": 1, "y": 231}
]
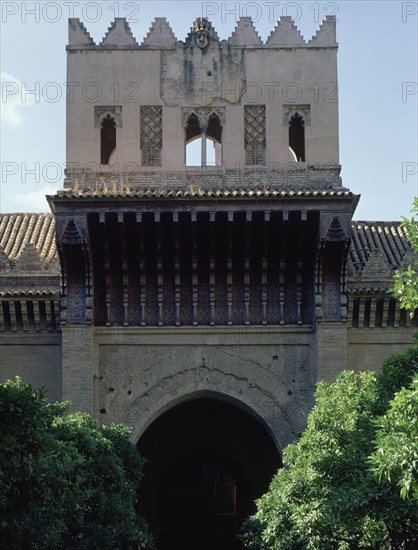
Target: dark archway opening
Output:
[{"x": 208, "y": 460}]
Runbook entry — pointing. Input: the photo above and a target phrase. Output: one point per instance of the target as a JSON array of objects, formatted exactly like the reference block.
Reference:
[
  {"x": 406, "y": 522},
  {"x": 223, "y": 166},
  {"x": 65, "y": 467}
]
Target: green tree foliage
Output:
[
  {"x": 396, "y": 456},
  {"x": 406, "y": 282},
  {"x": 65, "y": 482},
  {"x": 331, "y": 494}
]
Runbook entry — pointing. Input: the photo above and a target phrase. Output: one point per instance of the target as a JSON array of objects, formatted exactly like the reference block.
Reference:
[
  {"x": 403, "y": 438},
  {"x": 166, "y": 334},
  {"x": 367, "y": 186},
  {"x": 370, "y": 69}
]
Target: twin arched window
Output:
[{"x": 203, "y": 139}]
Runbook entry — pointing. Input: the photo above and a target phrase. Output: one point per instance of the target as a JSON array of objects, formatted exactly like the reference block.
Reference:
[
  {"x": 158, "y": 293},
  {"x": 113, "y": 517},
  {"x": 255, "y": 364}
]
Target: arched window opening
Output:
[
  {"x": 107, "y": 139},
  {"x": 214, "y": 130},
  {"x": 194, "y": 152},
  {"x": 203, "y": 148},
  {"x": 192, "y": 128},
  {"x": 297, "y": 138}
]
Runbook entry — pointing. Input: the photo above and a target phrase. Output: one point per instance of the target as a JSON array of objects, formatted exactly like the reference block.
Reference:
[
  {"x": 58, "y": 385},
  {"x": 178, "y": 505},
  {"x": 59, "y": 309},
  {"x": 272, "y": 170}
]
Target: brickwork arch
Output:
[
  {"x": 269, "y": 374},
  {"x": 170, "y": 402}
]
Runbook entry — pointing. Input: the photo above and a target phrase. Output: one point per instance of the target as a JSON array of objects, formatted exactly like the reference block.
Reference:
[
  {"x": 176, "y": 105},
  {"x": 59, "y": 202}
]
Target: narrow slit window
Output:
[
  {"x": 297, "y": 138},
  {"x": 107, "y": 139}
]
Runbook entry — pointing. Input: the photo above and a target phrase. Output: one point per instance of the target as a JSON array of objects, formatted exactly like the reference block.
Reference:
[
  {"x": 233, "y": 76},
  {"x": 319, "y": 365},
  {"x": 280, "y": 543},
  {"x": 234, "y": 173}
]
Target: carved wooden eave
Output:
[
  {"x": 375, "y": 250},
  {"x": 185, "y": 257}
]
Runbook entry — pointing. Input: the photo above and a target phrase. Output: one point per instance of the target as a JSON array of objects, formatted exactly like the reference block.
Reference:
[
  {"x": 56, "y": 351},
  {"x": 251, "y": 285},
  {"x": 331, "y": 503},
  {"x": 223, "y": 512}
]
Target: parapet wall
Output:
[{"x": 160, "y": 36}]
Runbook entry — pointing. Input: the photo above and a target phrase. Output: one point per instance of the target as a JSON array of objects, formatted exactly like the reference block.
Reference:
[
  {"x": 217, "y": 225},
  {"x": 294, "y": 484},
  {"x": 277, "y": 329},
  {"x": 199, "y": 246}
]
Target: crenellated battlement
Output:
[
  {"x": 160, "y": 36},
  {"x": 169, "y": 105},
  {"x": 119, "y": 34}
]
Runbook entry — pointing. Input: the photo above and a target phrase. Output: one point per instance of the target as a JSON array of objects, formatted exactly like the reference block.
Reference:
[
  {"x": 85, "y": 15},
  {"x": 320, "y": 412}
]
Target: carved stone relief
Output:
[
  {"x": 151, "y": 135},
  {"x": 203, "y": 114},
  {"x": 303, "y": 110},
  {"x": 114, "y": 111},
  {"x": 255, "y": 133},
  {"x": 202, "y": 32}
]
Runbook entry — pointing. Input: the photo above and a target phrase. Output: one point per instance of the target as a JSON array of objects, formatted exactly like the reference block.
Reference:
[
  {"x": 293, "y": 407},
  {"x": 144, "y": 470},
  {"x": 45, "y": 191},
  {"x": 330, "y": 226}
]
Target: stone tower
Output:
[
  {"x": 209, "y": 271},
  {"x": 214, "y": 278},
  {"x": 245, "y": 242}
]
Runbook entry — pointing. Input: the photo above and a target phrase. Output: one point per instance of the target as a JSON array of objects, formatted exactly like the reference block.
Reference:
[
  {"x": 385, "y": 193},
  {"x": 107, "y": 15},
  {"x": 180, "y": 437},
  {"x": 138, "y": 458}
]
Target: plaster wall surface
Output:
[
  {"x": 105, "y": 78},
  {"x": 38, "y": 363},
  {"x": 368, "y": 348}
]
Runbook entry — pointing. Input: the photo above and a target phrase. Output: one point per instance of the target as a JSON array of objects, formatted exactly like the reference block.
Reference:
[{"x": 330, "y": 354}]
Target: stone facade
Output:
[
  {"x": 154, "y": 282},
  {"x": 219, "y": 292}
]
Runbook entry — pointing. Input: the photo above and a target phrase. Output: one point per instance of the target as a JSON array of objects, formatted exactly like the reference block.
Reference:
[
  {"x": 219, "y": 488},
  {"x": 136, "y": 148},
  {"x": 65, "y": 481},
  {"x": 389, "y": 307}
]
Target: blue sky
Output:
[{"x": 378, "y": 90}]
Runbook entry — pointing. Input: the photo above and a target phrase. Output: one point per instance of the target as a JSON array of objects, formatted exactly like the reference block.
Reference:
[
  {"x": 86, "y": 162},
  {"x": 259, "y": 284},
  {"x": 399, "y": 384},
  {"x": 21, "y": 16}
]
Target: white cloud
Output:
[
  {"x": 14, "y": 97},
  {"x": 34, "y": 201}
]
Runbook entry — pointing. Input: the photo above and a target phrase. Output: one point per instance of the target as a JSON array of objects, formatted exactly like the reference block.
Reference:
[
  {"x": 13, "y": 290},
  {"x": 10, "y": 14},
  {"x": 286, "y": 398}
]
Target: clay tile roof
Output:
[
  {"x": 388, "y": 238},
  {"x": 45, "y": 293},
  {"x": 196, "y": 191},
  {"x": 19, "y": 230}
]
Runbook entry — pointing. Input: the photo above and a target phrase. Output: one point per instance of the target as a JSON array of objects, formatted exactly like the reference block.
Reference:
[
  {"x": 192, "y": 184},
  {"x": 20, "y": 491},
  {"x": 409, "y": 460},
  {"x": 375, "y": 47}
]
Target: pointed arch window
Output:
[
  {"x": 203, "y": 138},
  {"x": 107, "y": 118},
  {"x": 296, "y": 118},
  {"x": 297, "y": 137},
  {"x": 107, "y": 139}
]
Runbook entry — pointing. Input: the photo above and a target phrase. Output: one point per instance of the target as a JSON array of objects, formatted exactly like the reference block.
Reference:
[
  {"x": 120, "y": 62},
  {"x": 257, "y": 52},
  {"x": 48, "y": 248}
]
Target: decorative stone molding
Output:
[
  {"x": 203, "y": 114},
  {"x": 102, "y": 111},
  {"x": 202, "y": 33},
  {"x": 290, "y": 110},
  {"x": 201, "y": 30},
  {"x": 335, "y": 227},
  {"x": 255, "y": 133},
  {"x": 151, "y": 134}
]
